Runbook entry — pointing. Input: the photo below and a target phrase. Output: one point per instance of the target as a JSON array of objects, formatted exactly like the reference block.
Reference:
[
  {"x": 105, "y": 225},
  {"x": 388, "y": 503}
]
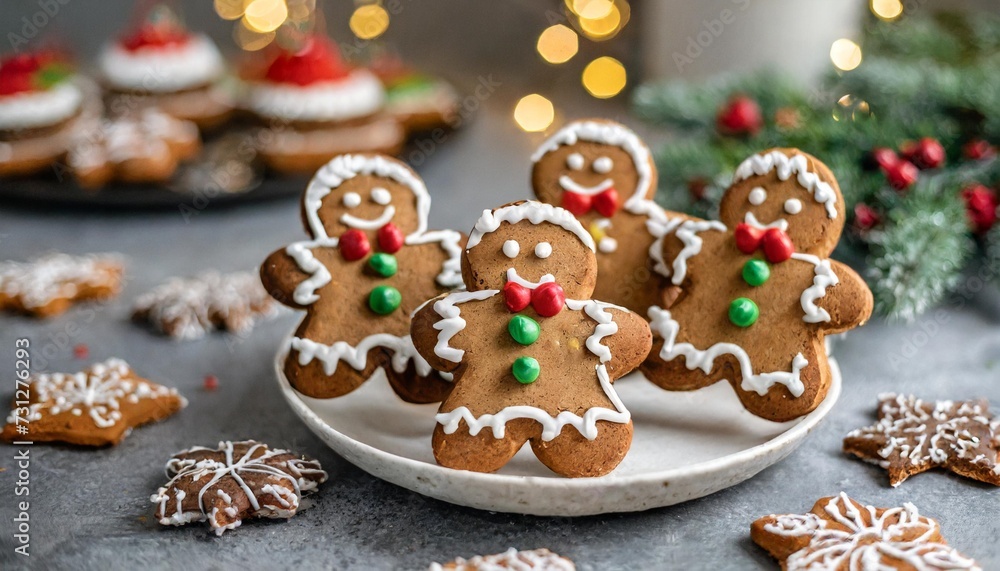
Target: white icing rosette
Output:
[
  {"x": 358, "y": 95},
  {"x": 194, "y": 63},
  {"x": 35, "y": 109}
]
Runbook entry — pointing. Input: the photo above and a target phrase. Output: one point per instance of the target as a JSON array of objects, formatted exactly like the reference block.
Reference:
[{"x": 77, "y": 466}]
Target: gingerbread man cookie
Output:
[
  {"x": 533, "y": 356},
  {"x": 369, "y": 263},
  {"x": 604, "y": 174},
  {"x": 754, "y": 295}
]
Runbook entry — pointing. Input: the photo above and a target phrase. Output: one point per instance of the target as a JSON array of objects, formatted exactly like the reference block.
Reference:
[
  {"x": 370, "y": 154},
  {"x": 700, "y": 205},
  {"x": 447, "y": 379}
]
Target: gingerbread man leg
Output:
[
  {"x": 779, "y": 404},
  {"x": 673, "y": 375},
  {"x": 571, "y": 454},
  {"x": 312, "y": 380},
  {"x": 415, "y": 388},
  {"x": 483, "y": 452}
]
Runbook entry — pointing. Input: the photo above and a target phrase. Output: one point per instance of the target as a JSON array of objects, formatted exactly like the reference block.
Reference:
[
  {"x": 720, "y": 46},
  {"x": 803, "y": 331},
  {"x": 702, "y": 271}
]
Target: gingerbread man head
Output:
[
  {"x": 787, "y": 190},
  {"x": 594, "y": 166},
  {"x": 551, "y": 247}
]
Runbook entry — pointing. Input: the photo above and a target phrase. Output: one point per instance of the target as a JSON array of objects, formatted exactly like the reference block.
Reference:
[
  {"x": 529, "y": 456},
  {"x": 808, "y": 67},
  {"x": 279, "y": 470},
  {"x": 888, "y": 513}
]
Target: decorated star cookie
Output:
[
  {"x": 604, "y": 174},
  {"x": 237, "y": 480},
  {"x": 50, "y": 284},
  {"x": 754, "y": 295},
  {"x": 913, "y": 436},
  {"x": 840, "y": 534},
  {"x": 371, "y": 261},
  {"x": 512, "y": 559},
  {"x": 533, "y": 356},
  {"x": 96, "y": 407},
  {"x": 189, "y": 308}
]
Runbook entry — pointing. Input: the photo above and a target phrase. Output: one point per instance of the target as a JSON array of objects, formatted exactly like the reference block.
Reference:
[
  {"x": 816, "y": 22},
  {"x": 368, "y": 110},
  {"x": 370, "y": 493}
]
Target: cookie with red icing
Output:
[
  {"x": 604, "y": 174},
  {"x": 369, "y": 263},
  {"x": 534, "y": 357},
  {"x": 317, "y": 107},
  {"x": 754, "y": 295}
]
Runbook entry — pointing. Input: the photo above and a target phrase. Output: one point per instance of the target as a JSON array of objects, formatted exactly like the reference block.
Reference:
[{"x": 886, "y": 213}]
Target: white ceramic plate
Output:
[{"x": 686, "y": 445}]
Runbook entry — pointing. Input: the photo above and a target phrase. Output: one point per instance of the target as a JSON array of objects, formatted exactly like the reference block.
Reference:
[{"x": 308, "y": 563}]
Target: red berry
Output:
[
  {"x": 741, "y": 115},
  {"x": 81, "y": 351},
  {"x": 980, "y": 206},
  {"x": 884, "y": 157},
  {"x": 515, "y": 296},
  {"x": 927, "y": 153},
  {"x": 354, "y": 245},
  {"x": 697, "y": 188},
  {"x": 902, "y": 174},
  {"x": 747, "y": 238},
  {"x": 606, "y": 203},
  {"x": 156, "y": 36},
  {"x": 778, "y": 246},
  {"x": 548, "y": 299},
  {"x": 390, "y": 238},
  {"x": 978, "y": 149},
  {"x": 578, "y": 204},
  {"x": 211, "y": 382},
  {"x": 318, "y": 60},
  {"x": 865, "y": 217},
  {"x": 17, "y": 73}
]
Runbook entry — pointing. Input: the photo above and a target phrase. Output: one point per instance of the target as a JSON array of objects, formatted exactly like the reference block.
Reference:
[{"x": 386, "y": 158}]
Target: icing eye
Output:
[
  {"x": 352, "y": 199},
  {"x": 793, "y": 206},
  {"x": 511, "y": 248},
  {"x": 543, "y": 250},
  {"x": 575, "y": 161},
  {"x": 757, "y": 196},
  {"x": 603, "y": 165},
  {"x": 381, "y": 196}
]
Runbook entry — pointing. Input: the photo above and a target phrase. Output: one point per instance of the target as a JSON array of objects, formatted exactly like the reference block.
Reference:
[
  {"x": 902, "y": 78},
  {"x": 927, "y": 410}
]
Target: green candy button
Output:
[
  {"x": 743, "y": 312},
  {"x": 384, "y": 264},
  {"x": 524, "y": 329},
  {"x": 384, "y": 299},
  {"x": 756, "y": 272},
  {"x": 525, "y": 370}
]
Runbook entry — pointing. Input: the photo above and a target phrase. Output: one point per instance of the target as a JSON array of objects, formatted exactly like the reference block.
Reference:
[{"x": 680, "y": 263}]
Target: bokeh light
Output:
[
  {"x": 604, "y": 77},
  {"x": 845, "y": 54},
  {"x": 251, "y": 40},
  {"x": 590, "y": 9},
  {"x": 608, "y": 25},
  {"x": 534, "y": 113},
  {"x": 887, "y": 10},
  {"x": 265, "y": 15},
  {"x": 557, "y": 44},
  {"x": 369, "y": 21},
  {"x": 229, "y": 9}
]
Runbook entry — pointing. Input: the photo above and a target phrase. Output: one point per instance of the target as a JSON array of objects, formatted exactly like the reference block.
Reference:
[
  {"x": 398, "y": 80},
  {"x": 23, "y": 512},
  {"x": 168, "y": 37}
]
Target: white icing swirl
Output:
[
  {"x": 358, "y": 95},
  {"x": 195, "y": 63},
  {"x": 40, "y": 109}
]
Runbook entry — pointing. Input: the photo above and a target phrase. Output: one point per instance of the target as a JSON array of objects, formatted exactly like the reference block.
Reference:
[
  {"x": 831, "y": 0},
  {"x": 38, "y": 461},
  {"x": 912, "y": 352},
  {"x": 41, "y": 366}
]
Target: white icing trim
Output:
[
  {"x": 452, "y": 322},
  {"x": 532, "y": 211},
  {"x": 195, "y": 63},
  {"x": 824, "y": 277},
  {"x": 358, "y": 95},
  {"x": 571, "y": 185},
  {"x": 356, "y": 356},
  {"x": 40, "y": 108},
  {"x": 658, "y": 224},
  {"x": 786, "y": 166},
  {"x": 661, "y": 323},
  {"x": 301, "y": 252},
  {"x": 751, "y": 220},
  {"x": 687, "y": 233},
  {"x": 513, "y": 276}
]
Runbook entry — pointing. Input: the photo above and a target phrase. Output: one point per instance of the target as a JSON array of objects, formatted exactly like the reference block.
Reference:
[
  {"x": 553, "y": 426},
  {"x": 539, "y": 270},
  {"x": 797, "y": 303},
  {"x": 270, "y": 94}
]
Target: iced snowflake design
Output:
[
  {"x": 534, "y": 560},
  {"x": 841, "y": 534},
  {"x": 234, "y": 481},
  {"x": 56, "y": 276},
  {"x": 913, "y": 436}
]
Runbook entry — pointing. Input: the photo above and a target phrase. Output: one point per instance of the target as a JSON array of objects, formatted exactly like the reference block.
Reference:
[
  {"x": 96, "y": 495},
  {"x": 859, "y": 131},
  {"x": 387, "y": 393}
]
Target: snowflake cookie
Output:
[
  {"x": 50, "y": 284},
  {"x": 234, "y": 481},
  {"x": 512, "y": 559},
  {"x": 188, "y": 308},
  {"x": 840, "y": 534},
  {"x": 913, "y": 436},
  {"x": 96, "y": 407}
]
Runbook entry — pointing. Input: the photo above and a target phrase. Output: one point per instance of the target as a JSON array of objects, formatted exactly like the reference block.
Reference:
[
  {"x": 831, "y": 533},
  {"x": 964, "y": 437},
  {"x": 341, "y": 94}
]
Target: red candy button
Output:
[
  {"x": 390, "y": 238},
  {"x": 778, "y": 246},
  {"x": 747, "y": 238},
  {"x": 606, "y": 203},
  {"x": 354, "y": 245},
  {"x": 578, "y": 204},
  {"x": 548, "y": 299},
  {"x": 516, "y": 297}
]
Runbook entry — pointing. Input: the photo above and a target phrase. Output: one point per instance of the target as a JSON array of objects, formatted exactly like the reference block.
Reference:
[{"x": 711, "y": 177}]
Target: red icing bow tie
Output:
[
  {"x": 774, "y": 242},
  {"x": 354, "y": 244},
  {"x": 605, "y": 203},
  {"x": 548, "y": 299}
]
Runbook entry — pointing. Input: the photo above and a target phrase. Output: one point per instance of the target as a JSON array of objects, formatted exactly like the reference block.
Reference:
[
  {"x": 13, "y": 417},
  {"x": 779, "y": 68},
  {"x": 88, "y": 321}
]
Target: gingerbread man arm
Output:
[
  {"x": 426, "y": 337},
  {"x": 849, "y": 303},
  {"x": 630, "y": 345},
  {"x": 281, "y": 274}
]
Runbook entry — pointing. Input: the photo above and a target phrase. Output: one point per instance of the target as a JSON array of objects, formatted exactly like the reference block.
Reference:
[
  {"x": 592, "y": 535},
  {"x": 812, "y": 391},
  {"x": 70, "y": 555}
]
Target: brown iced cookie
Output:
[
  {"x": 235, "y": 481},
  {"x": 913, "y": 436},
  {"x": 303, "y": 150},
  {"x": 534, "y": 357},
  {"x": 842, "y": 534},
  {"x": 534, "y": 560},
  {"x": 96, "y": 407},
  {"x": 753, "y": 296},
  {"x": 421, "y": 103},
  {"x": 50, "y": 284},
  {"x": 189, "y": 308},
  {"x": 369, "y": 264},
  {"x": 604, "y": 174}
]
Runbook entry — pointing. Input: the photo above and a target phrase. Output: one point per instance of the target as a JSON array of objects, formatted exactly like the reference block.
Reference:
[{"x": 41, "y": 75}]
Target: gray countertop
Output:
[{"x": 90, "y": 508}]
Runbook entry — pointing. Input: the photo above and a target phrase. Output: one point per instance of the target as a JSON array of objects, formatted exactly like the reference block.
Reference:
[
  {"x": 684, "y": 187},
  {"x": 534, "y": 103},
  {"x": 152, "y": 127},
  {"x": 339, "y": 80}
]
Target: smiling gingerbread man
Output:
[
  {"x": 369, "y": 263},
  {"x": 604, "y": 174},
  {"x": 534, "y": 358},
  {"x": 754, "y": 295}
]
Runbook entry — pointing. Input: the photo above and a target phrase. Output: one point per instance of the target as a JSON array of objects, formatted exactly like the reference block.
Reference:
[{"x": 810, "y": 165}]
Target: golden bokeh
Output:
[
  {"x": 251, "y": 40},
  {"x": 590, "y": 9},
  {"x": 887, "y": 10},
  {"x": 369, "y": 21},
  {"x": 534, "y": 113},
  {"x": 229, "y": 9},
  {"x": 608, "y": 25},
  {"x": 557, "y": 44},
  {"x": 845, "y": 54},
  {"x": 604, "y": 77},
  {"x": 265, "y": 15}
]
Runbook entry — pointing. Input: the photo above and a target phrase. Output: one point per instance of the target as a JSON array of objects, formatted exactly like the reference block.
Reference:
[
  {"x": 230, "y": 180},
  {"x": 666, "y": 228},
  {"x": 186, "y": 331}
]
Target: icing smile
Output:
[
  {"x": 365, "y": 224},
  {"x": 780, "y": 223},
  {"x": 572, "y": 186},
  {"x": 513, "y": 277}
]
